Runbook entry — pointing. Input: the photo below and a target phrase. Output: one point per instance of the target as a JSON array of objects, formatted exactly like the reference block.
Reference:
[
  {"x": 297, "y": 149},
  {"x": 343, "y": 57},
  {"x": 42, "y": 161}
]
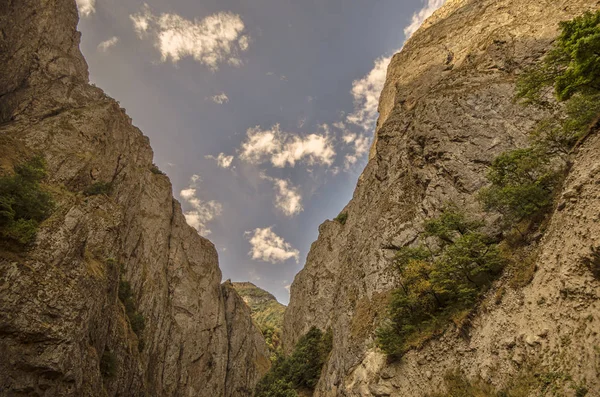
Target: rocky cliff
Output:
[
  {"x": 63, "y": 329},
  {"x": 446, "y": 111}
]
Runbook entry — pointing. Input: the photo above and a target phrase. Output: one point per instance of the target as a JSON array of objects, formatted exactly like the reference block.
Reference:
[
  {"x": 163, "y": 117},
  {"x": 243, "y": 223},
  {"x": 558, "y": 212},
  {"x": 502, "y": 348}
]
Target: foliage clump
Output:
[
  {"x": 523, "y": 182},
  {"x": 155, "y": 170},
  {"x": 24, "y": 203},
  {"x": 571, "y": 67},
  {"x": 301, "y": 370},
  {"x": 98, "y": 188},
  {"x": 439, "y": 280},
  {"x": 341, "y": 218},
  {"x": 136, "y": 319}
]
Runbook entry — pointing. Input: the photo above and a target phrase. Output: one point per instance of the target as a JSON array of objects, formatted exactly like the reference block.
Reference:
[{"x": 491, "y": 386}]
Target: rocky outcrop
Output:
[
  {"x": 63, "y": 330},
  {"x": 248, "y": 353},
  {"x": 446, "y": 111}
]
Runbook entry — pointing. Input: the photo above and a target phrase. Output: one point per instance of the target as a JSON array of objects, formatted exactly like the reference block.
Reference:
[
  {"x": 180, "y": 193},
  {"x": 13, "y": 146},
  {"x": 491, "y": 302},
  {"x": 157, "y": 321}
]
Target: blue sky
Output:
[{"x": 260, "y": 111}]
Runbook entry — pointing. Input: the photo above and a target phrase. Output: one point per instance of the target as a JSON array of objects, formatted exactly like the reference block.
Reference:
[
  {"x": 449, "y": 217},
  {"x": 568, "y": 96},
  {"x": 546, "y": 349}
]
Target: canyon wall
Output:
[
  {"x": 61, "y": 321},
  {"x": 447, "y": 109}
]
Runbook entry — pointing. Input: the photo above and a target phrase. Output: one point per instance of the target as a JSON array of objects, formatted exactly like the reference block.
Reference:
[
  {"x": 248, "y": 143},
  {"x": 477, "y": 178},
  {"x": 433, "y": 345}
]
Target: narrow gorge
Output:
[{"x": 115, "y": 295}]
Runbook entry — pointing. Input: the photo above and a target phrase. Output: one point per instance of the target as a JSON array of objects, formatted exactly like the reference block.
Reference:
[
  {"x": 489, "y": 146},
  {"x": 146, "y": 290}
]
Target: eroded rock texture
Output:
[
  {"x": 59, "y": 310},
  {"x": 446, "y": 111}
]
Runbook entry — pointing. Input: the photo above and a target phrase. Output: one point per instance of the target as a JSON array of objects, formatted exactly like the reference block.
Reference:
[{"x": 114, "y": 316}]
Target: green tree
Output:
[
  {"x": 522, "y": 184},
  {"x": 572, "y": 66},
  {"x": 24, "y": 204},
  {"x": 301, "y": 370},
  {"x": 438, "y": 279}
]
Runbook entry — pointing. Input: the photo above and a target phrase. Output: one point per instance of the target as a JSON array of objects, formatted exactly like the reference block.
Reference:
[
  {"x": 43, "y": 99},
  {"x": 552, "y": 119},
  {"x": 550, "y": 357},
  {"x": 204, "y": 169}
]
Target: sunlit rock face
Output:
[
  {"x": 61, "y": 320},
  {"x": 446, "y": 111}
]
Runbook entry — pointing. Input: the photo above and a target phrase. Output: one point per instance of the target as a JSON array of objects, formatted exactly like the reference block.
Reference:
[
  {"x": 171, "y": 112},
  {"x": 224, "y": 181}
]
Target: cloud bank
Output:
[
  {"x": 269, "y": 247},
  {"x": 282, "y": 148},
  {"x": 211, "y": 41}
]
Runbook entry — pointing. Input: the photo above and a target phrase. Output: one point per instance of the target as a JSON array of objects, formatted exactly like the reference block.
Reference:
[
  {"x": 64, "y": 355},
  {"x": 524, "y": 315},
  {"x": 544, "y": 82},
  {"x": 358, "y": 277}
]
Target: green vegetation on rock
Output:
[
  {"x": 440, "y": 280},
  {"x": 341, "y": 218},
  {"x": 444, "y": 277},
  {"x": 24, "y": 203},
  {"x": 299, "y": 371},
  {"x": 136, "y": 319},
  {"x": 98, "y": 188},
  {"x": 266, "y": 312},
  {"x": 571, "y": 67}
]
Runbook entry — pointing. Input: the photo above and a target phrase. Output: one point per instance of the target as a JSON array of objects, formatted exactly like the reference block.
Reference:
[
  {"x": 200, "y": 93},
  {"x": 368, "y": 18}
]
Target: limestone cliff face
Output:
[
  {"x": 446, "y": 111},
  {"x": 59, "y": 310}
]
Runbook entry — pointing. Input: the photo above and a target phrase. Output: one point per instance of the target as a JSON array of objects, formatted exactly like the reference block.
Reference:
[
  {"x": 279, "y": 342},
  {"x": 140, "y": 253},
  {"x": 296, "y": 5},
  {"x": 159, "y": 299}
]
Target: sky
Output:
[{"x": 261, "y": 112}]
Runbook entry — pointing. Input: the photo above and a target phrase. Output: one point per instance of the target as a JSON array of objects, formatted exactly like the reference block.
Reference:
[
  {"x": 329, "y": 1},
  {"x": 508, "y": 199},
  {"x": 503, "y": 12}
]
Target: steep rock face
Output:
[
  {"x": 60, "y": 316},
  {"x": 248, "y": 354},
  {"x": 446, "y": 111}
]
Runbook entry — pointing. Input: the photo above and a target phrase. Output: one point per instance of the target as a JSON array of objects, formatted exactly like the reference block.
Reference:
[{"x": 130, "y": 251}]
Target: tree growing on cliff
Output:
[
  {"x": 439, "y": 279},
  {"x": 24, "y": 204},
  {"x": 571, "y": 67},
  {"x": 301, "y": 370}
]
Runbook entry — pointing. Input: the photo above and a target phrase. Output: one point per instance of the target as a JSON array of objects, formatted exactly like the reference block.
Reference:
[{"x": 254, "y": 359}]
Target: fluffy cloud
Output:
[
  {"x": 282, "y": 148},
  {"x": 201, "y": 212},
  {"x": 222, "y": 160},
  {"x": 287, "y": 197},
  {"x": 211, "y": 41},
  {"x": 419, "y": 17},
  {"x": 105, "y": 45},
  {"x": 220, "y": 98},
  {"x": 86, "y": 7},
  {"x": 269, "y": 247}
]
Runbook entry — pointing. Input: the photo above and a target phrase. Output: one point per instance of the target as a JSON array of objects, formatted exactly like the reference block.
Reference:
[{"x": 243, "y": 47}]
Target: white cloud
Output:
[
  {"x": 222, "y": 160},
  {"x": 201, "y": 212},
  {"x": 419, "y": 17},
  {"x": 360, "y": 145},
  {"x": 211, "y": 41},
  {"x": 105, "y": 45},
  {"x": 282, "y": 148},
  {"x": 287, "y": 287},
  {"x": 366, "y": 93},
  {"x": 287, "y": 197},
  {"x": 220, "y": 98},
  {"x": 269, "y": 247},
  {"x": 86, "y": 7}
]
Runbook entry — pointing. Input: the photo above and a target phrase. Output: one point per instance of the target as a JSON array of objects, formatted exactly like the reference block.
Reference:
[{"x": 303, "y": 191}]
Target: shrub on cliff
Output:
[
  {"x": 522, "y": 185},
  {"x": 24, "y": 204},
  {"x": 98, "y": 188},
  {"x": 439, "y": 279},
  {"x": 301, "y": 370},
  {"x": 572, "y": 66}
]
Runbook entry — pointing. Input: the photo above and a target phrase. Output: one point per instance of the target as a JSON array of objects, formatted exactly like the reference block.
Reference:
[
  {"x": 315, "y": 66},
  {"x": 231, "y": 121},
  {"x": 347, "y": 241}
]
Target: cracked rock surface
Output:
[
  {"x": 60, "y": 315},
  {"x": 446, "y": 111}
]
